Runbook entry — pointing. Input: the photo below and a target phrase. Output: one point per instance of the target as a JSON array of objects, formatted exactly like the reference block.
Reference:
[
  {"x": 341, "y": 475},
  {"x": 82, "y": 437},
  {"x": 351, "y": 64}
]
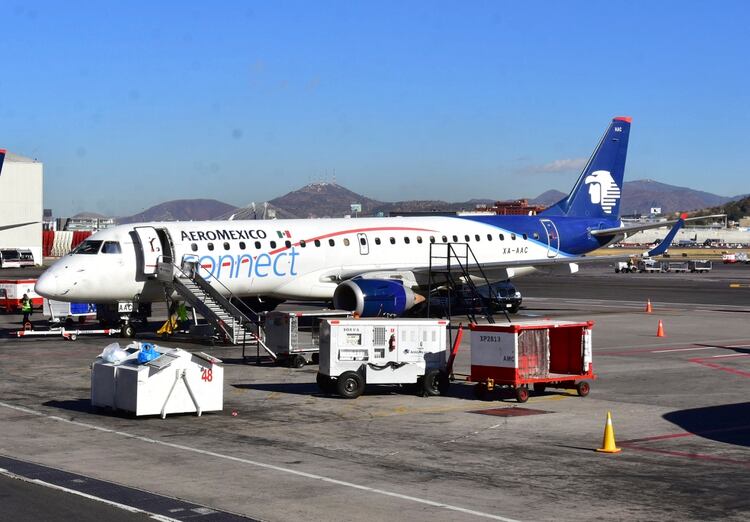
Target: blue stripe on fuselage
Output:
[{"x": 575, "y": 238}]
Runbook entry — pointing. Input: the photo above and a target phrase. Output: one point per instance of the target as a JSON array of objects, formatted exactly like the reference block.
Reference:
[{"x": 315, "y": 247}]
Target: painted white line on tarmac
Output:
[
  {"x": 687, "y": 349},
  {"x": 263, "y": 465},
  {"x": 730, "y": 355},
  {"x": 125, "y": 507}
]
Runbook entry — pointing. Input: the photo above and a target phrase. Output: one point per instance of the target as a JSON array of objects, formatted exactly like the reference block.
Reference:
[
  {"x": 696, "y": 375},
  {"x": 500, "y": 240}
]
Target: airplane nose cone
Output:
[{"x": 46, "y": 285}]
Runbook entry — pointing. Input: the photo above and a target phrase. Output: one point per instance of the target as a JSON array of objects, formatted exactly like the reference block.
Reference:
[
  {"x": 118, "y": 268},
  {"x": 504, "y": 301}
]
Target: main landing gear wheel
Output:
[
  {"x": 522, "y": 394},
  {"x": 583, "y": 388},
  {"x": 350, "y": 385}
]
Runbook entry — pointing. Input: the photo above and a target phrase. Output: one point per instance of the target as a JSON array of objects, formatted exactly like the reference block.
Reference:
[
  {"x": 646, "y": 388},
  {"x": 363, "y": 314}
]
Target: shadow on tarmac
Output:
[{"x": 728, "y": 423}]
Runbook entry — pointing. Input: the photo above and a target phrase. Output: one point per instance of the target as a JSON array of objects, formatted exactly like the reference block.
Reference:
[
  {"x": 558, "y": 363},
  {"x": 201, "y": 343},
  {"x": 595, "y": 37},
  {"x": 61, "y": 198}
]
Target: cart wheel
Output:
[
  {"x": 350, "y": 385},
  {"x": 435, "y": 382},
  {"x": 539, "y": 387},
  {"x": 583, "y": 388},
  {"x": 73, "y": 337},
  {"x": 480, "y": 391},
  {"x": 325, "y": 383},
  {"x": 297, "y": 361},
  {"x": 522, "y": 394},
  {"x": 315, "y": 358}
]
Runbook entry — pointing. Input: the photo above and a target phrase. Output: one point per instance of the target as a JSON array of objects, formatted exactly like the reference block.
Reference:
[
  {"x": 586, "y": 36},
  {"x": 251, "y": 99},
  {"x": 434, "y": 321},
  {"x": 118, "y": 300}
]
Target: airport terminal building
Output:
[{"x": 21, "y": 188}]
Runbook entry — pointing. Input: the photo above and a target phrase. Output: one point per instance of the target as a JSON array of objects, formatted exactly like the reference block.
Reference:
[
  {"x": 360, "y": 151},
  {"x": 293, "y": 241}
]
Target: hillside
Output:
[
  {"x": 181, "y": 210},
  {"x": 323, "y": 200}
]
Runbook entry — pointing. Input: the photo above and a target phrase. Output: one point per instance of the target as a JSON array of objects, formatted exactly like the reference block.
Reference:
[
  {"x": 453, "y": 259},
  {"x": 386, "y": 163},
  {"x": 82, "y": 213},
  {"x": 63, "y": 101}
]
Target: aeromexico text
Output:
[{"x": 226, "y": 235}]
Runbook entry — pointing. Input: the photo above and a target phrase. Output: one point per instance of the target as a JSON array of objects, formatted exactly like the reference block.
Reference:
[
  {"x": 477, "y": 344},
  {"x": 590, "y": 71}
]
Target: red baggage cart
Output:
[{"x": 544, "y": 354}]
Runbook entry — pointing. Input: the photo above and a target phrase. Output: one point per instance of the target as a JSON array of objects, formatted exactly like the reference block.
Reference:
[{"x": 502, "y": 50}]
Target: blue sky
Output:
[{"x": 129, "y": 104}]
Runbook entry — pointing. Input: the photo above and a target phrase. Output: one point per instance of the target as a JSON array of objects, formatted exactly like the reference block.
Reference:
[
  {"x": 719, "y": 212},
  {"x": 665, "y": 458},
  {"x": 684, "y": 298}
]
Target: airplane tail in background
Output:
[
  {"x": 2, "y": 160},
  {"x": 598, "y": 190}
]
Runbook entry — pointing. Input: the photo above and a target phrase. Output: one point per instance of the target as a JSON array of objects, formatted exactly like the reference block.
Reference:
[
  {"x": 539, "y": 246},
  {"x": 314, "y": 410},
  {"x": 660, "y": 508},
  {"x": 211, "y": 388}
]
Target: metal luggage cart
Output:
[{"x": 294, "y": 335}]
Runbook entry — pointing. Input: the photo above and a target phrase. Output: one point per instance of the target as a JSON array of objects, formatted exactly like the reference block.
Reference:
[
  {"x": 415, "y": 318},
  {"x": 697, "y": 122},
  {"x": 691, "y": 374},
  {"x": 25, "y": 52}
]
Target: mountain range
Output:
[{"x": 332, "y": 200}]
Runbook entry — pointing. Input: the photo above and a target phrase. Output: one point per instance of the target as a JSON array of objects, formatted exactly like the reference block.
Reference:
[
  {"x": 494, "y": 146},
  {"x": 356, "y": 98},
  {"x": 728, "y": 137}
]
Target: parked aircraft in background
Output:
[{"x": 371, "y": 265}]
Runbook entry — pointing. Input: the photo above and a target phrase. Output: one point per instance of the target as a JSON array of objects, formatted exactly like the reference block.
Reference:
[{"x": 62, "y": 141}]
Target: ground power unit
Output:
[{"x": 358, "y": 352}]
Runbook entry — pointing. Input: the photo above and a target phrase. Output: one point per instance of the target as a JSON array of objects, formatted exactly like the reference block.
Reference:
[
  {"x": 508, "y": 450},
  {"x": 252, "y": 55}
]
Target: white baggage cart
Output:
[
  {"x": 357, "y": 352},
  {"x": 293, "y": 336}
]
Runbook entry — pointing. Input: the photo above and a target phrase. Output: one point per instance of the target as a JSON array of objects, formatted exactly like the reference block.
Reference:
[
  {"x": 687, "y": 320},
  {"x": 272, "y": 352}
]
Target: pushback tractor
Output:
[{"x": 358, "y": 352}]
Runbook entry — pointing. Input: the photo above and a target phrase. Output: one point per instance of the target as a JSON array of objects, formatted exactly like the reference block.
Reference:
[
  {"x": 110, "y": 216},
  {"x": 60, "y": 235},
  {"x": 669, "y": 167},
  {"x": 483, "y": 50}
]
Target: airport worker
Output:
[
  {"x": 182, "y": 316},
  {"x": 26, "y": 309}
]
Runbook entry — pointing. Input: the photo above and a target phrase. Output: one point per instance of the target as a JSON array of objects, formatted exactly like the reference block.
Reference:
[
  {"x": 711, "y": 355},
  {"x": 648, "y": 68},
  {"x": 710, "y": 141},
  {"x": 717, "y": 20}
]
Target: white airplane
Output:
[{"x": 371, "y": 265}]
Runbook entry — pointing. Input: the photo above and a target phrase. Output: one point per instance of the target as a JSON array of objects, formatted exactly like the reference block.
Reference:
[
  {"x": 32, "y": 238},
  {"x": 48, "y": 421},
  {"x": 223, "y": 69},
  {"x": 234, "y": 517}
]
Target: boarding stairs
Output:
[
  {"x": 450, "y": 265},
  {"x": 220, "y": 309}
]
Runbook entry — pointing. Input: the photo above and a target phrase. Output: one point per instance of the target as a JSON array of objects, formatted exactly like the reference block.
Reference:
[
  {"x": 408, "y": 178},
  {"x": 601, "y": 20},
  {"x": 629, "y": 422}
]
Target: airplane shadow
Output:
[
  {"x": 728, "y": 423},
  {"x": 732, "y": 348}
]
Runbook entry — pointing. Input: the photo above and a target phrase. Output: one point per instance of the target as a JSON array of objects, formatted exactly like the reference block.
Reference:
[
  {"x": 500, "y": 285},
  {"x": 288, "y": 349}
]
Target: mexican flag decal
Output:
[{"x": 283, "y": 233}]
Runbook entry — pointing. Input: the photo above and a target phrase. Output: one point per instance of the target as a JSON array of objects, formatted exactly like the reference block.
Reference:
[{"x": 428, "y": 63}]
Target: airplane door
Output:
[
  {"x": 364, "y": 246},
  {"x": 553, "y": 238},
  {"x": 150, "y": 248}
]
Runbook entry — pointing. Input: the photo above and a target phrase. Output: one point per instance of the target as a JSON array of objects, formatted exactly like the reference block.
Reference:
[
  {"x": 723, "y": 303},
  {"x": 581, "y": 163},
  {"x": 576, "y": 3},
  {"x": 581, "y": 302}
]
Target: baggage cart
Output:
[
  {"x": 294, "y": 336},
  {"x": 63, "y": 312},
  {"x": 648, "y": 265},
  {"x": 700, "y": 265},
  {"x": 357, "y": 352},
  {"x": 543, "y": 354},
  {"x": 677, "y": 267}
]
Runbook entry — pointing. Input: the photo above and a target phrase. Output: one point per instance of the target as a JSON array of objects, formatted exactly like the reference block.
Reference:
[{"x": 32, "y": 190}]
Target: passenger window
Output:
[
  {"x": 317, "y": 242},
  {"x": 346, "y": 241},
  {"x": 331, "y": 242},
  {"x": 406, "y": 240},
  {"x": 87, "y": 247},
  {"x": 377, "y": 240},
  {"x": 432, "y": 239},
  {"x": 445, "y": 239},
  {"x": 502, "y": 237},
  {"x": 302, "y": 243},
  {"x": 210, "y": 246},
  {"x": 466, "y": 238},
  {"x": 535, "y": 235},
  {"x": 273, "y": 244},
  {"x": 194, "y": 247},
  {"x": 419, "y": 239},
  {"x": 525, "y": 237},
  {"x": 226, "y": 246},
  {"x": 513, "y": 237},
  {"x": 455, "y": 239},
  {"x": 476, "y": 236},
  {"x": 393, "y": 241},
  {"x": 111, "y": 247},
  {"x": 288, "y": 244},
  {"x": 257, "y": 245},
  {"x": 489, "y": 237},
  {"x": 242, "y": 245}
]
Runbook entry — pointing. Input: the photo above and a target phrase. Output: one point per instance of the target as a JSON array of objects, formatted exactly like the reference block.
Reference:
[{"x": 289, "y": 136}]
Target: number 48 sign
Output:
[{"x": 207, "y": 374}]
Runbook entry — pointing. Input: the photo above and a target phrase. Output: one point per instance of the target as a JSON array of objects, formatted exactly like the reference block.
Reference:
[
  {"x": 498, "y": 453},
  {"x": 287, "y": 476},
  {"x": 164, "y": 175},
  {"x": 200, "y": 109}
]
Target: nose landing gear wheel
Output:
[{"x": 127, "y": 331}]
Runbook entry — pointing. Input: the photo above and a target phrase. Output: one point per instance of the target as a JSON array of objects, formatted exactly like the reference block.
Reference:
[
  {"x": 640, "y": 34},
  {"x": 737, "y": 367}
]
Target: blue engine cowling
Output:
[{"x": 373, "y": 297}]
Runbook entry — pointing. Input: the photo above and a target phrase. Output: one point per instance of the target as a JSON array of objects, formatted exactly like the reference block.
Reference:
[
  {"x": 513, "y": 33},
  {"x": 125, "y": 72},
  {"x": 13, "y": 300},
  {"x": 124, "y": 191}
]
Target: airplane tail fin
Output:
[
  {"x": 2, "y": 159},
  {"x": 598, "y": 190}
]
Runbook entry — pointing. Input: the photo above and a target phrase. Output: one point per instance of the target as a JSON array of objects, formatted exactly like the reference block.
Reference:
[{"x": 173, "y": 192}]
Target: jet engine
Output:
[{"x": 374, "y": 297}]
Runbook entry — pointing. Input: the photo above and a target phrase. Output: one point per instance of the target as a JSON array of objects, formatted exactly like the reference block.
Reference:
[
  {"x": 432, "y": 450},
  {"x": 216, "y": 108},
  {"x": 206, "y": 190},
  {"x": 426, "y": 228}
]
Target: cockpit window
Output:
[
  {"x": 111, "y": 247},
  {"x": 88, "y": 247}
]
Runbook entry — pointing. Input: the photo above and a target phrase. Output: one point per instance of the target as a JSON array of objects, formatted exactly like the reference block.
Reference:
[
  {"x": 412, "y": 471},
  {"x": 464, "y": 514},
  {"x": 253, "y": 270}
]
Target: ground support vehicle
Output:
[
  {"x": 294, "y": 336},
  {"x": 10, "y": 258},
  {"x": 66, "y": 333},
  {"x": 648, "y": 265},
  {"x": 700, "y": 265},
  {"x": 62, "y": 312},
  {"x": 541, "y": 354},
  {"x": 11, "y": 294},
  {"x": 623, "y": 267},
  {"x": 357, "y": 352},
  {"x": 677, "y": 267}
]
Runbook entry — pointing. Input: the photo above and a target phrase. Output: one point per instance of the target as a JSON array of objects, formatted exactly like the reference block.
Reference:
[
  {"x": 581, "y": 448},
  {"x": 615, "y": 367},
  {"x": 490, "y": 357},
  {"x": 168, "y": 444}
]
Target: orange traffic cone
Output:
[
  {"x": 648, "y": 307},
  {"x": 608, "y": 443},
  {"x": 660, "y": 330}
]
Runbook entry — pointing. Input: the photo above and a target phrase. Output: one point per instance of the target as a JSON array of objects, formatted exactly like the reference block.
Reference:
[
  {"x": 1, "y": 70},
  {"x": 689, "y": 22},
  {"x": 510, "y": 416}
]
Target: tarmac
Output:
[{"x": 281, "y": 450}]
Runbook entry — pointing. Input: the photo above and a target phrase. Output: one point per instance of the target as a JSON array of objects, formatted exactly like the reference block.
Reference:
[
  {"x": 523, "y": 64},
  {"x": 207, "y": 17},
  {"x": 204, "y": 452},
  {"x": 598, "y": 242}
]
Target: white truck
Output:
[{"x": 357, "y": 352}]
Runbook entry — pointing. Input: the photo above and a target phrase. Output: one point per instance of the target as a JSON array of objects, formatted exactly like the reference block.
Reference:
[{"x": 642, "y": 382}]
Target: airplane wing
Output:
[
  {"x": 638, "y": 228},
  {"x": 8, "y": 227}
]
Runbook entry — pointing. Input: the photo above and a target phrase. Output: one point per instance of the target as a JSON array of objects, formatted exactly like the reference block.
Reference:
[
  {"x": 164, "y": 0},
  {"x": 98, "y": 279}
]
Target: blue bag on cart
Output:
[{"x": 147, "y": 353}]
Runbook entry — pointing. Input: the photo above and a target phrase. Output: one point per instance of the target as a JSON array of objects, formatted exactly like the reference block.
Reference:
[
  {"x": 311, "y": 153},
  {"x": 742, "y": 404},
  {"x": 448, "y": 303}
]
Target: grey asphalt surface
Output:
[{"x": 679, "y": 405}]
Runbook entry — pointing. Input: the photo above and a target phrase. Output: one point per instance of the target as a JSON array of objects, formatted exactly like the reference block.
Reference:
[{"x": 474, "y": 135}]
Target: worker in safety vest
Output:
[
  {"x": 182, "y": 316},
  {"x": 26, "y": 309}
]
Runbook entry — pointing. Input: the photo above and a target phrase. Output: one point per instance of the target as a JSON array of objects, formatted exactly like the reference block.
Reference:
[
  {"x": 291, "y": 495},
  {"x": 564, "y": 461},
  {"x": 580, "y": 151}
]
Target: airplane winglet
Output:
[{"x": 667, "y": 241}]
